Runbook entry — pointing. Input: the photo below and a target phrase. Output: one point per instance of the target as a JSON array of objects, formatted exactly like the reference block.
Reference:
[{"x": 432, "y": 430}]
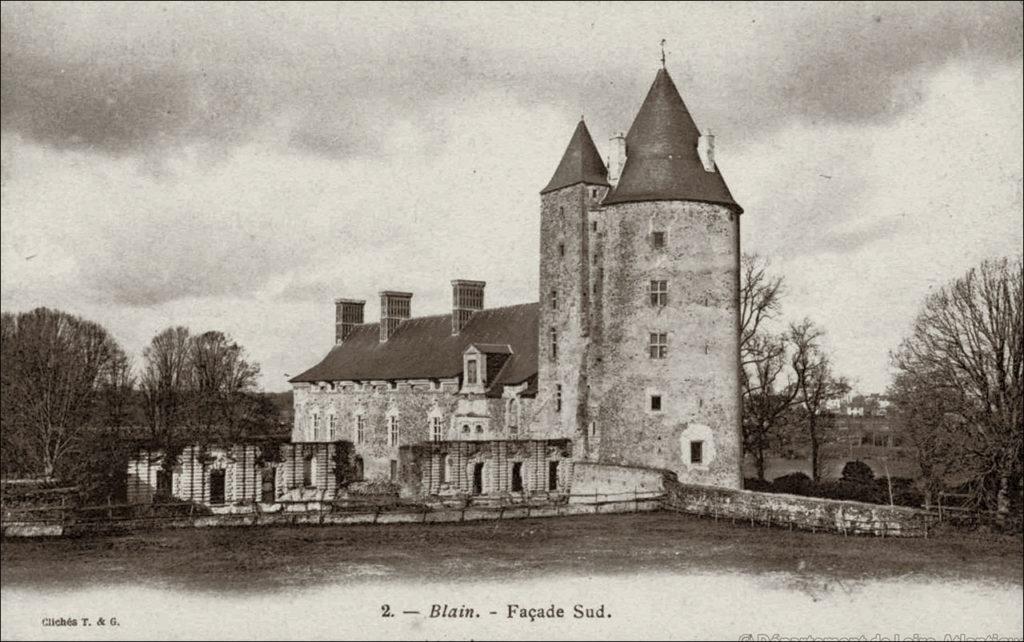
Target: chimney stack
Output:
[
  {"x": 617, "y": 158},
  {"x": 706, "y": 151},
  {"x": 395, "y": 307},
  {"x": 467, "y": 299},
  {"x": 348, "y": 313}
]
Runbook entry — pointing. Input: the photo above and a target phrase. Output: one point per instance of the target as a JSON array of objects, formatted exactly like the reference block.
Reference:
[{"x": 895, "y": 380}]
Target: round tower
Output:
[{"x": 663, "y": 367}]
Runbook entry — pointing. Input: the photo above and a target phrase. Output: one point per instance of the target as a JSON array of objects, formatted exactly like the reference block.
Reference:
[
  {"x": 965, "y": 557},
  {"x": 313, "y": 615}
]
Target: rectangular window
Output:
[
  {"x": 435, "y": 428},
  {"x": 655, "y": 403},
  {"x": 594, "y": 258},
  {"x": 471, "y": 371},
  {"x": 360, "y": 429},
  {"x": 696, "y": 452},
  {"x": 552, "y": 475},
  {"x": 658, "y": 240},
  {"x": 558, "y": 397},
  {"x": 659, "y": 293},
  {"x": 332, "y": 427},
  {"x": 554, "y": 343},
  {"x": 394, "y": 469},
  {"x": 658, "y": 347},
  {"x": 393, "y": 430},
  {"x": 554, "y": 299},
  {"x": 593, "y": 226},
  {"x": 561, "y": 249}
]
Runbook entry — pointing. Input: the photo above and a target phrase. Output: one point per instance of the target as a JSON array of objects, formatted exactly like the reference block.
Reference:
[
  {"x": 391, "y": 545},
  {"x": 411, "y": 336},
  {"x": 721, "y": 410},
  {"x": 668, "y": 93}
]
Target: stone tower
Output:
[
  {"x": 577, "y": 187},
  {"x": 646, "y": 277}
]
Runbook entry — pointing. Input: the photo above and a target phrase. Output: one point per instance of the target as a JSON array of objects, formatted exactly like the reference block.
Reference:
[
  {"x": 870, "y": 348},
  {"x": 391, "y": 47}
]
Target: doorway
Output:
[
  {"x": 217, "y": 486},
  {"x": 478, "y": 479},
  {"x": 268, "y": 486},
  {"x": 517, "y": 477}
]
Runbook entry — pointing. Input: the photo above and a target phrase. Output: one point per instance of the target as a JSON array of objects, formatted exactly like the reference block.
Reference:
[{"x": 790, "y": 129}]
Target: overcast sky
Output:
[{"x": 237, "y": 167}]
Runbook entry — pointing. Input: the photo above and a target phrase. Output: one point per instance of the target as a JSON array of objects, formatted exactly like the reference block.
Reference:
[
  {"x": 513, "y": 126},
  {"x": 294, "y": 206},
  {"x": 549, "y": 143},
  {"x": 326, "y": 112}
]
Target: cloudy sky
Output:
[{"x": 236, "y": 167}]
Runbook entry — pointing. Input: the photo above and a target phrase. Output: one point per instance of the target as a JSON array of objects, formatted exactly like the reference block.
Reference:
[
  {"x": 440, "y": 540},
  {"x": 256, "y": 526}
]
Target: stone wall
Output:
[
  {"x": 414, "y": 405},
  {"x": 588, "y": 478},
  {"x": 792, "y": 511}
]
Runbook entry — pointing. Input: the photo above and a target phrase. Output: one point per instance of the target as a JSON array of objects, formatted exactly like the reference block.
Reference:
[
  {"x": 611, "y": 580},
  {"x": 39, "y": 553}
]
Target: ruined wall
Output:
[
  {"x": 698, "y": 381},
  {"x": 566, "y": 263},
  {"x": 414, "y": 406}
]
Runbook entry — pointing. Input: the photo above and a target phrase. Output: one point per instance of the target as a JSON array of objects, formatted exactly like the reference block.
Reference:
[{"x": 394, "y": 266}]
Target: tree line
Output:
[
  {"x": 72, "y": 398},
  {"x": 957, "y": 393}
]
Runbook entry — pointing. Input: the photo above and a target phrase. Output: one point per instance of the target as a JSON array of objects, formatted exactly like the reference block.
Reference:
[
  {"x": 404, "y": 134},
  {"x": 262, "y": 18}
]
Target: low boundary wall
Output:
[{"x": 796, "y": 511}]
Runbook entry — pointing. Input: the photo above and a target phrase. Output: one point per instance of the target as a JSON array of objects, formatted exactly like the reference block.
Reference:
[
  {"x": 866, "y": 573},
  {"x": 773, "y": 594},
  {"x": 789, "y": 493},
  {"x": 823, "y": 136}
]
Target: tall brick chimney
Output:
[
  {"x": 395, "y": 307},
  {"x": 467, "y": 299},
  {"x": 348, "y": 313}
]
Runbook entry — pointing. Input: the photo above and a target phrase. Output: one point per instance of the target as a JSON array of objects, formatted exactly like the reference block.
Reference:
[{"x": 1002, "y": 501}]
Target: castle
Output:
[{"x": 629, "y": 358}]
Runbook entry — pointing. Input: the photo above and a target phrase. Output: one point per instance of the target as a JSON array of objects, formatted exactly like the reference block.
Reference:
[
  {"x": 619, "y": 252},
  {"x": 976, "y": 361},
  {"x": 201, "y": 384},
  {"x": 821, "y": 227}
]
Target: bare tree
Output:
[
  {"x": 760, "y": 299},
  {"x": 766, "y": 398},
  {"x": 166, "y": 382},
  {"x": 967, "y": 348},
  {"x": 54, "y": 366},
  {"x": 224, "y": 382},
  {"x": 815, "y": 384},
  {"x": 762, "y": 358}
]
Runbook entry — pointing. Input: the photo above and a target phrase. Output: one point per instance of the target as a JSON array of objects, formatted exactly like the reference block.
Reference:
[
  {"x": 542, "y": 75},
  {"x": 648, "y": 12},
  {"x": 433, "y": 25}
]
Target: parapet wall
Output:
[
  {"x": 793, "y": 511},
  {"x": 589, "y": 478}
]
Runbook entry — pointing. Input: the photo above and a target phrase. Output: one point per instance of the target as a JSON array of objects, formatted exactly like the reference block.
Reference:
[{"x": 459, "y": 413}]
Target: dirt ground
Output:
[{"x": 270, "y": 557}]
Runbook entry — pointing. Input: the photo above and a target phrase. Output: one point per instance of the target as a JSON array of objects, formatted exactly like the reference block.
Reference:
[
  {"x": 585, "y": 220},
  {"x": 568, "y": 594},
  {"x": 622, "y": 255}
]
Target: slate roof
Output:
[
  {"x": 581, "y": 163},
  {"x": 662, "y": 163},
  {"x": 425, "y": 348}
]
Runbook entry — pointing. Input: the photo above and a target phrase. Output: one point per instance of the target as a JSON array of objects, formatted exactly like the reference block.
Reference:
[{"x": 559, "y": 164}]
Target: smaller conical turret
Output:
[{"x": 581, "y": 163}]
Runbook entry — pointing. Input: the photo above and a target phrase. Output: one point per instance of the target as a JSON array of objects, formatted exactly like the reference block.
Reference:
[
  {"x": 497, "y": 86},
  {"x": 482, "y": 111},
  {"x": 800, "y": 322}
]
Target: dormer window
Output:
[{"x": 471, "y": 371}]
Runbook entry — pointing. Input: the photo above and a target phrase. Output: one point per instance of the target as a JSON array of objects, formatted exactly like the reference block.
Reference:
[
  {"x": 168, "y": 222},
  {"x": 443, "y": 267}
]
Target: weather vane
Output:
[{"x": 662, "y": 53}]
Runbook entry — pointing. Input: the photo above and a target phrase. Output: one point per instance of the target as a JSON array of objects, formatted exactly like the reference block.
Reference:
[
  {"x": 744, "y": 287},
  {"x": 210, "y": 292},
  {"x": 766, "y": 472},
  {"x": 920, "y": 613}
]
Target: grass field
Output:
[{"x": 662, "y": 542}]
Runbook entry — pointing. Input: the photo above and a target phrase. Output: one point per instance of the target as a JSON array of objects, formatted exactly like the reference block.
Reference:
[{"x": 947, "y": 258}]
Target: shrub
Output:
[
  {"x": 858, "y": 472},
  {"x": 755, "y": 484},
  {"x": 794, "y": 484}
]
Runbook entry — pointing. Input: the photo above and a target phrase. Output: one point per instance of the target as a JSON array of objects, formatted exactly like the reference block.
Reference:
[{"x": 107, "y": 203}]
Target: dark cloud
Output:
[{"x": 219, "y": 73}]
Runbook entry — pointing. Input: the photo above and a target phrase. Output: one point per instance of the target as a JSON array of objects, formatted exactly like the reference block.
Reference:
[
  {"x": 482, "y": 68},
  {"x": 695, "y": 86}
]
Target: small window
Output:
[
  {"x": 696, "y": 452},
  {"x": 594, "y": 258},
  {"x": 332, "y": 427},
  {"x": 658, "y": 240},
  {"x": 552, "y": 475},
  {"x": 659, "y": 293},
  {"x": 479, "y": 429},
  {"x": 658, "y": 347},
  {"x": 558, "y": 397},
  {"x": 593, "y": 428},
  {"x": 561, "y": 211},
  {"x": 593, "y": 226},
  {"x": 561, "y": 249},
  {"x": 471, "y": 371},
  {"x": 554, "y": 299},
  {"x": 655, "y": 403},
  {"x": 394, "y": 469},
  {"x": 435, "y": 428},
  {"x": 554, "y": 343},
  {"x": 465, "y": 429}
]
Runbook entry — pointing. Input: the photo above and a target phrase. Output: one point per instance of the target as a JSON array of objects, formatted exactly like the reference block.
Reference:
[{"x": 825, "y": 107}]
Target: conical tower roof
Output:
[
  {"x": 662, "y": 163},
  {"x": 581, "y": 163}
]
